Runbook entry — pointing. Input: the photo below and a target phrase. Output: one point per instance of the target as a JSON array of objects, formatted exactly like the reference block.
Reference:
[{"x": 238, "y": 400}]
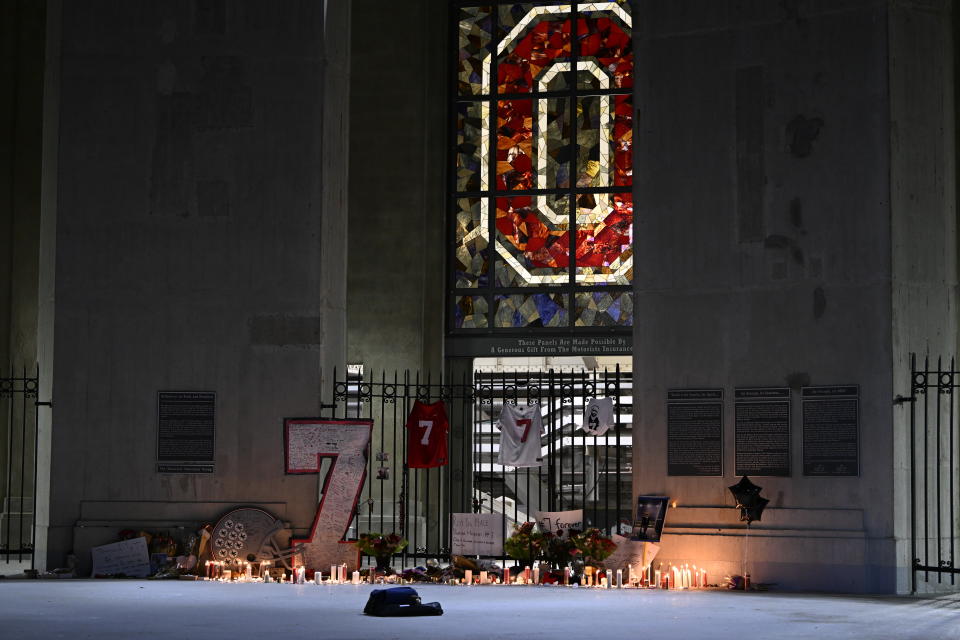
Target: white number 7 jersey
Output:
[{"x": 520, "y": 431}]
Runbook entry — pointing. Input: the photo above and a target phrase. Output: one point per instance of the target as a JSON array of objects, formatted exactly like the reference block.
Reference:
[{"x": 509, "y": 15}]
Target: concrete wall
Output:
[
  {"x": 924, "y": 225},
  {"x": 188, "y": 253},
  {"x": 398, "y": 137},
  {"x": 764, "y": 259}
]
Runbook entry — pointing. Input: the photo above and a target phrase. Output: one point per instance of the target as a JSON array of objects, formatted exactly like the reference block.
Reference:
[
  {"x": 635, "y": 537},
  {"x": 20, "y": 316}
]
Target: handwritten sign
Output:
[
  {"x": 635, "y": 553},
  {"x": 129, "y": 558},
  {"x": 560, "y": 522},
  {"x": 477, "y": 534}
]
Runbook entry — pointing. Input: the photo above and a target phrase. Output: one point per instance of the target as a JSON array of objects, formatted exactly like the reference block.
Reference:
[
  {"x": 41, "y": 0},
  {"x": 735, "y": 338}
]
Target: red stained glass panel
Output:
[{"x": 514, "y": 145}]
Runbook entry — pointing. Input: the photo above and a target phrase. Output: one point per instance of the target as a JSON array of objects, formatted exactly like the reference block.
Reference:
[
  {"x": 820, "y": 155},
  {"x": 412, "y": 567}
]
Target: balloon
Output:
[{"x": 748, "y": 499}]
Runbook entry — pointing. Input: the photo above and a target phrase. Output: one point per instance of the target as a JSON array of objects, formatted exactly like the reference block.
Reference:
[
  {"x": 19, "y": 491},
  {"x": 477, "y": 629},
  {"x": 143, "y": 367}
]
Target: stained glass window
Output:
[{"x": 541, "y": 202}]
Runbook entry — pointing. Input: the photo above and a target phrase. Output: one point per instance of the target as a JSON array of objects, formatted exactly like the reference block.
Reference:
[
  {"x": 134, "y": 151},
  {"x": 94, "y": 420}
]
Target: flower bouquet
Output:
[{"x": 381, "y": 546}]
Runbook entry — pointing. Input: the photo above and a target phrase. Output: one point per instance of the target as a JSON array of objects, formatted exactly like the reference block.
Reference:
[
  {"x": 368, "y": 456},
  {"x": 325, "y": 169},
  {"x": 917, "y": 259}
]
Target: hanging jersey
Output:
[
  {"x": 598, "y": 416},
  {"x": 427, "y": 436},
  {"x": 520, "y": 431}
]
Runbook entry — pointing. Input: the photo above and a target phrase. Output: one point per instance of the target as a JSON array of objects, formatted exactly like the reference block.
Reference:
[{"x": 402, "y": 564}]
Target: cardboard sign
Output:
[
  {"x": 477, "y": 534},
  {"x": 129, "y": 557},
  {"x": 560, "y": 522},
  {"x": 635, "y": 553}
]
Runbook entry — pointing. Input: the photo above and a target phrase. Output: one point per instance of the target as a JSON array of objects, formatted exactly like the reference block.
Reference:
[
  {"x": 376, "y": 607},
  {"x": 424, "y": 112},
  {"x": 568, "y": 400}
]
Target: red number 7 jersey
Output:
[{"x": 427, "y": 435}]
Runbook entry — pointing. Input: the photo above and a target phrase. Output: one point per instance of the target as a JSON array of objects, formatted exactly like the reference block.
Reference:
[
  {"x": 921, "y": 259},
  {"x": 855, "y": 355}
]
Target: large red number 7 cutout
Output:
[
  {"x": 307, "y": 442},
  {"x": 525, "y": 423}
]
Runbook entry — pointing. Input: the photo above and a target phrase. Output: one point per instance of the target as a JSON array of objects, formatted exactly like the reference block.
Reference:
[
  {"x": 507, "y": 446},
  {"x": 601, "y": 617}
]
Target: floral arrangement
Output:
[
  {"x": 380, "y": 545},
  {"x": 558, "y": 550},
  {"x": 526, "y": 543},
  {"x": 594, "y": 546}
]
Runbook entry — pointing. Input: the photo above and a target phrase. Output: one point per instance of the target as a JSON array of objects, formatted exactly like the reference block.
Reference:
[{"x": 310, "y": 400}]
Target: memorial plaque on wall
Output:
[
  {"x": 831, "y": 430},
  {"x": 185, "y": 431},
  {"x": 762, "y": 429},
  {"x": 695, "y": 432}
]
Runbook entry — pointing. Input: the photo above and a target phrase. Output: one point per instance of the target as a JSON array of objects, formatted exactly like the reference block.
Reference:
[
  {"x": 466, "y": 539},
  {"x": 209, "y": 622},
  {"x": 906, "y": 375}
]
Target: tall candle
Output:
[
  {"x": 703, "y": 577},
  {"x": 483, "y": 577},
  {"x": 566, "y": 576},
  {"x": 656, "y": 578},
  {"x": 620, "y": 578},
  {"x": 506, "y": 575},
  {"x": 355, "y": 578},
  {"x": 468, "y": 576},
  {"x": 249, "y": 571},
  {"x": 526, "y": 575},
  {"x": 333, "y": 573},
  {"x": 536, "y": 574},
  {"x": 317, "y": 577}
]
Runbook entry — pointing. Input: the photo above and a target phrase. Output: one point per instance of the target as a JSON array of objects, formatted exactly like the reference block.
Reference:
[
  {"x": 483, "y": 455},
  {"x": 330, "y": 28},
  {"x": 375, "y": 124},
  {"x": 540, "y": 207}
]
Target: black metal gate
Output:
[
  {"x": 18, "y": 468},
  {"x": 580, "y": 471},
  {"x": 934, "y": 454}
]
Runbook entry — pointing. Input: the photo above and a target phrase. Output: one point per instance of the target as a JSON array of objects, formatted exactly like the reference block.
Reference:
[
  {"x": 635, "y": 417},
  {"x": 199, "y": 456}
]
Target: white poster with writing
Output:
[
  {"x": 129, "y": 558},
  {"x": 478, "y": 534},
  {"x": 560, "y": 522}
]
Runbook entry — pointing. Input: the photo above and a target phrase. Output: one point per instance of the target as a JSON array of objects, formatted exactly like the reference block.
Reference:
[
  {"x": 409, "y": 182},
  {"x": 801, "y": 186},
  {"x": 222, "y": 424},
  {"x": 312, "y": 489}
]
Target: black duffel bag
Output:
[{"x": 399, "y": 601}]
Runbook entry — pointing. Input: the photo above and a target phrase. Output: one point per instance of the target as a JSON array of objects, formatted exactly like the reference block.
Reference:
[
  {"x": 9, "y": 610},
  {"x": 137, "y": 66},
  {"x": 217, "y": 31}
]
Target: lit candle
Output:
[
  {"x": 656, "y": 576},
  {"x": 703, "y": 577},
  {"x": 566, "y": 576},
  {"x": 620, "y": 578},
  {"x": 343, "y": 572},
  {"x": 468, "y": 576},
  {"x": 536, "y": 574},
  {"x": 249, "y": 572},
  {"x": 526, "y": 575},
  {"x": 603, "y": 581},
  {"x": 333, "y": 573},
  {"x": 506, "y": 575},
  {"x": 483, "y": 577},
  {"x": 355, "y": 578}
]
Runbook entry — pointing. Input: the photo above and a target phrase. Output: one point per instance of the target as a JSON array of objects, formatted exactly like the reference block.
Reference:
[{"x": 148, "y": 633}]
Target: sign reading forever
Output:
[
  {"x": 831, "y": 430},
  {"x": 695, "y": 432},
  {"x": 129, "y": 558},
  {"x": 185, "y": 431},
  {"x": 762, "y": 431},
  {"x": 477, "y": 534},
  {"x": 307, "y": 442},
  {"x": 560, "y": 522}
]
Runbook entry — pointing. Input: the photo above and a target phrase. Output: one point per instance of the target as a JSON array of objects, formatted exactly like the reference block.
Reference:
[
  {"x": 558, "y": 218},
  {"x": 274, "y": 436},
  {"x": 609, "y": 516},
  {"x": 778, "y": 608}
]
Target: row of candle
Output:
[
  {"x": 680, "y": 577},
  {"x": 675, "y": 577}
]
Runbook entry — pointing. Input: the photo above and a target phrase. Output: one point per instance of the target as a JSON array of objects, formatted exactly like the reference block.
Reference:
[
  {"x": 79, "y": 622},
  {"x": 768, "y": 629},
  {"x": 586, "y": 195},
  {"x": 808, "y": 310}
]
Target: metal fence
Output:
[
  {"x": 579, "y": 471},
  {"x": 934, "y": 454},
  {"x": 18, "y": 469}
]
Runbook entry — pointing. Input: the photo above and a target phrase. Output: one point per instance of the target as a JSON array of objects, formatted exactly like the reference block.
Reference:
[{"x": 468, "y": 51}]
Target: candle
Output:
[
  {"x": 620, "y": 578},
  {"x": 249, "y": 572},
  {"x": 526, "y": 575},
  {"x": 583, "y": 581},
  {"x": 506, "y": 575},
  {"x": 317, "y": 577},
  {"x": 657, "y": 577},
  {"x": 333, "y": 573},
  {"x": 483, "y": 577},
  {"x": 355, "y": 578},
  {"x": 703, "y": 577},
  {"x": 603, "y": 581},
  {"x": 227, "y": 575},
  {"x": 468, "y": 576},
  {"x": 536, "y": 574},
  {"x": 566, "y": 576}
]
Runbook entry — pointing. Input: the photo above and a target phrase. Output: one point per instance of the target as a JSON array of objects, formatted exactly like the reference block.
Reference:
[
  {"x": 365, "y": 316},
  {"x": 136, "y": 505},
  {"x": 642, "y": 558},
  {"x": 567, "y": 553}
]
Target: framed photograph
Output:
[{"x": 651, "y": 514}]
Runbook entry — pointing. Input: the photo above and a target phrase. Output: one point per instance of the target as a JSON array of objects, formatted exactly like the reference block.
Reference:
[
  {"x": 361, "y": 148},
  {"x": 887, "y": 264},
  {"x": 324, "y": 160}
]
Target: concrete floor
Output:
[{"x": 178, "y": 609}]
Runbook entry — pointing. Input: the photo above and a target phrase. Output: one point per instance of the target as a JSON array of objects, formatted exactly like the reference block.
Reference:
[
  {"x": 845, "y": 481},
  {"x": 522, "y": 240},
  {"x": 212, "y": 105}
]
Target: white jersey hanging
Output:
[
  {"x": 598, "y": 416},
  {"x": 520, "y": 431}
]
